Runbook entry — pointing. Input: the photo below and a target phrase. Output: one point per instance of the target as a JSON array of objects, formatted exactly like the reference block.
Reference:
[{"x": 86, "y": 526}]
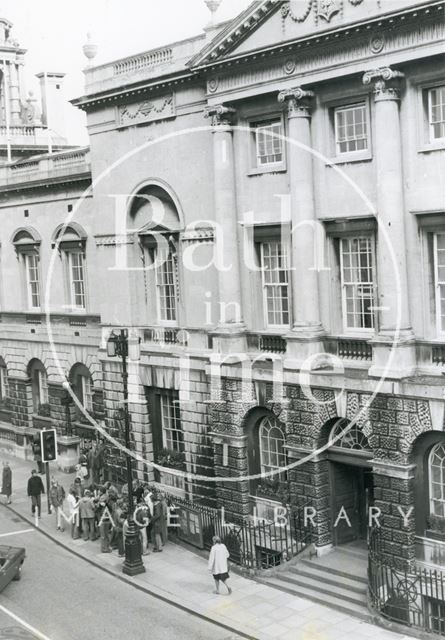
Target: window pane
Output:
[
  {"x": 166, "y": 286},
  {"x": 357, "y": 282},
  {"x": 172, "y": 434},
  {"x": 439, "y": 276},
  {"x": 351, "y": 129},
  {"x": 436, "y": 99},
  {"x": 77, "y": 280},
  {"x": 269, "y": 145},
  {"x": 437, "y": 480},
  {"x": 272, "y": 441},
  {"x": 32, "y": 268},
  {"x": 275, "y": 274}
]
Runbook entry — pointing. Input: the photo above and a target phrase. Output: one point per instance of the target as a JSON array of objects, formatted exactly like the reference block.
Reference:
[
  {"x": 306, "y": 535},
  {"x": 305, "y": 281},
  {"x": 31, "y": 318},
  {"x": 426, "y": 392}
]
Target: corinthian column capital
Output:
[
  {"x": 220, "y": 115},
  {"x": 386, "y": 82},
  {"x": 298, "y": 102}
]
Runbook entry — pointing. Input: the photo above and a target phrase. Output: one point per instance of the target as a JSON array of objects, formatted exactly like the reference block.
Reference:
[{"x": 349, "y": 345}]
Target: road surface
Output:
[{"x": 61, "y": 597}]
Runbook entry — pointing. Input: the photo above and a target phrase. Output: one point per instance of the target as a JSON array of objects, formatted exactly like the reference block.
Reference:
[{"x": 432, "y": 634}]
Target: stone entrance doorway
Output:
[{"x": 351, "y": 498}]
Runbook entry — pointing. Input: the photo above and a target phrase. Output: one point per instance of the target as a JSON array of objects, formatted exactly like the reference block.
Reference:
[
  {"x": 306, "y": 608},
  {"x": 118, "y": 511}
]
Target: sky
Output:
[{"x": 53, "y": 32}]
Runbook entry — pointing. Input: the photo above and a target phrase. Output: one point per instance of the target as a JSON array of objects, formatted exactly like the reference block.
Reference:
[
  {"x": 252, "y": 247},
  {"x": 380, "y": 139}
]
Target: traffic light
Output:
[{"x": 48, "y": 441}]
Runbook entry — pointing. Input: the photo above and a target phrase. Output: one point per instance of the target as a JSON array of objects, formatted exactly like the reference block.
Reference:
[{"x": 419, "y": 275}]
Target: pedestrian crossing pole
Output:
[{"x": 47, "y": 487}]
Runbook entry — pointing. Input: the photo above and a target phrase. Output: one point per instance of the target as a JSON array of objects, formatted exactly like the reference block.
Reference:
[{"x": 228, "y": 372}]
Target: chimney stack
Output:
[{"x": 54, "y": 103}]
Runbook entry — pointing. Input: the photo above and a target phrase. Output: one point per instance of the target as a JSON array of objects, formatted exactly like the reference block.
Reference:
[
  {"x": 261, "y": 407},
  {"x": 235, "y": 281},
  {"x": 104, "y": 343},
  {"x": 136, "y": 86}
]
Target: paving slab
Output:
[{"x": 179, "y": 576}]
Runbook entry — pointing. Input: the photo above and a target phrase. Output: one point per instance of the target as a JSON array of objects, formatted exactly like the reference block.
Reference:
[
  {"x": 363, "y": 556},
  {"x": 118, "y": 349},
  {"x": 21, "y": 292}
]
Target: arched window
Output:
[
  {"x": 154, "y": 213},
  {"x": 272, "y": 441},
  {"x": 71, "y": 241},
  {"x": 27, "y": 245},
  {"x": 353, "y": 437},
  {"x": 81, "y": 383},
  {"x": 436, "y": 469},
  {"x": 39, "y": 386}
]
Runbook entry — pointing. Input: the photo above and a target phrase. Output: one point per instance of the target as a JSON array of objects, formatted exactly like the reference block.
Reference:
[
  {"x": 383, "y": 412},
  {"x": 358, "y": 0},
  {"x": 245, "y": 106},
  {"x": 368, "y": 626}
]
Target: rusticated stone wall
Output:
[
  {"x": 18, "y": 392},
  {"x": 397, "y": 534}
]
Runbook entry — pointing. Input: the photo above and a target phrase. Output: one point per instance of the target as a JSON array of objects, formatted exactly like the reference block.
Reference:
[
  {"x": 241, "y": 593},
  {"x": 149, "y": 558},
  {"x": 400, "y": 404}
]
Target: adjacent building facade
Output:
[{"x": 267, "y": 215}]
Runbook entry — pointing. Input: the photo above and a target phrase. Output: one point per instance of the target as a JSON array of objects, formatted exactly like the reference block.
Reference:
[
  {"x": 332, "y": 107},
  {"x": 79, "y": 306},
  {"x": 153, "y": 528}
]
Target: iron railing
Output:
[
  {"x": 414, "y": 597},
  {"x": 253, "y": 544}
]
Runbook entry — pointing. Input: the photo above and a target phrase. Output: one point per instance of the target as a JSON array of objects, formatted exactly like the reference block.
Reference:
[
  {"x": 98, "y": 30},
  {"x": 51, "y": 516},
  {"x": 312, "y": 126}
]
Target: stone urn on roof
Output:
[
  {"x": 89, "y": 49},
  {"x": 213, "y": 6}
]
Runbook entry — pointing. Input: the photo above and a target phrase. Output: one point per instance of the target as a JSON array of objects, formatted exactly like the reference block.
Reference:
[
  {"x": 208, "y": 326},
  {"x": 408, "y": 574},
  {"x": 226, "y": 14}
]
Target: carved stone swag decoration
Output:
[{"x": 299, "y": 10}]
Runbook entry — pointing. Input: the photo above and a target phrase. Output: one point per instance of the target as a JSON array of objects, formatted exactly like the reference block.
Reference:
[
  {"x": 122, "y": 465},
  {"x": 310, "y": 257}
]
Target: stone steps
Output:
[{"x": 337, "y": 580}]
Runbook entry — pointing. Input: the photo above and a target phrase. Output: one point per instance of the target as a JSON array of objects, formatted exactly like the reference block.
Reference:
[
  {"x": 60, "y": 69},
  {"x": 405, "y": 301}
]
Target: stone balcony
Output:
[
  {"x": 144, "y": 66},
  {"x": 42, "y": 169}
]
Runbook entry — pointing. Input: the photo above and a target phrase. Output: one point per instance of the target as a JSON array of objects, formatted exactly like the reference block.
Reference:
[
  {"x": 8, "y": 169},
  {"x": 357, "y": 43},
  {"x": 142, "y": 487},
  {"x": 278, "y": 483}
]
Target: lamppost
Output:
[
  {"x": 66, "y": 402},
  {"x": 120, "y": 345}
]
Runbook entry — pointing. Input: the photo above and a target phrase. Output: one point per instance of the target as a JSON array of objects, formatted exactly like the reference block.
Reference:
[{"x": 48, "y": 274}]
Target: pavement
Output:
[
  {"x": 62, "y": 598},
  {"x": 180, "y": 577}
]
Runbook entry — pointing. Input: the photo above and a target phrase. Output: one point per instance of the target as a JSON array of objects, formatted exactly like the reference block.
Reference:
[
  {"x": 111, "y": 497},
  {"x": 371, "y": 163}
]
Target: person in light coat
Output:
[
  {"x": 73, "y": 507},
  {"x": 218, "y": 564}
]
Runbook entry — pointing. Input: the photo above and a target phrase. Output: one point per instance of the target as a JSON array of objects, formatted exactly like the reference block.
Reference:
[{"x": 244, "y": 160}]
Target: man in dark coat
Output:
[
  {"x": 156, "y": 532},
  {"x": 35, "y": 490},
  {"x": 7, "y": 482}
]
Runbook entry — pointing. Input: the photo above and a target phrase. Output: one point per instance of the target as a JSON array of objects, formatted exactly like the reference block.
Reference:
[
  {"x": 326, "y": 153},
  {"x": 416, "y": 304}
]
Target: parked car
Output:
[{"x": 11, "y": 561}]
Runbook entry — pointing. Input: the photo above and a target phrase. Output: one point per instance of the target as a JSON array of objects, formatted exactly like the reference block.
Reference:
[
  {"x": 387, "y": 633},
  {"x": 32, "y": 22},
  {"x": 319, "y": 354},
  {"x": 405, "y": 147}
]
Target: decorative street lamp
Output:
[
  {"x": 124, "y": 347},
  {"x": 66, "y": 402}
]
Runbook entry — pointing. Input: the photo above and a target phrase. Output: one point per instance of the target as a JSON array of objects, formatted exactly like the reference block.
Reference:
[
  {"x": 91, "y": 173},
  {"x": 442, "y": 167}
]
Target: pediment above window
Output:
[
  {"x": 26, "y": 240},
  {"x": 70, "y": 237}
]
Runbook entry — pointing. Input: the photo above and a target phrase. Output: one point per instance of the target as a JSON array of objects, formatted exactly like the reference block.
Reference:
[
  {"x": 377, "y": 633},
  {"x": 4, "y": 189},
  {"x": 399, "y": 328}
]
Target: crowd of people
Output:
[{"x": 100, "y": 512}]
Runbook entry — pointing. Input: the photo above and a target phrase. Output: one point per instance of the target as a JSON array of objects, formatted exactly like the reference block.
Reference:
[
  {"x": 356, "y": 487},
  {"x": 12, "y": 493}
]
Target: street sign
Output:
[{"x": 48, "y": 443}]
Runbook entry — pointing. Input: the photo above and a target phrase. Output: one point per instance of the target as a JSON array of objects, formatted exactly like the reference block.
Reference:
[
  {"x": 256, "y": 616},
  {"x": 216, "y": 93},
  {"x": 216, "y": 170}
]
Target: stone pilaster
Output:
[
  {"x": 394, "y": 496},
  {"x": 394, "y": 352},
  {"x": 230, "y": 460},
  {"x": 305, "y": 339},
  {"x": 309, "y": 487},
  {"x": 230, "y": 333},
  {"x": 57, "y": 411}
]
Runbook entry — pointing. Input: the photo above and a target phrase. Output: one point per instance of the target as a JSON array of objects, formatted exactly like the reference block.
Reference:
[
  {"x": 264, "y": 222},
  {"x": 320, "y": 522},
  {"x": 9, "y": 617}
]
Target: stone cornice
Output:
[
  {"x": 327, "y": 60},
  {"x": 329, "y": 36},
  {"x": 46, "y": 183},
  {"x": 132, "y": 92}
]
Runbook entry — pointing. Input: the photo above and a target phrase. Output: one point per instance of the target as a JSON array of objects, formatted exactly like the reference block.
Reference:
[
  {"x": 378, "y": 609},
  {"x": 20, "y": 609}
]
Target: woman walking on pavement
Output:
[
  {"x": 7, "y": 482},
  {"x": 218, "y": 565}
]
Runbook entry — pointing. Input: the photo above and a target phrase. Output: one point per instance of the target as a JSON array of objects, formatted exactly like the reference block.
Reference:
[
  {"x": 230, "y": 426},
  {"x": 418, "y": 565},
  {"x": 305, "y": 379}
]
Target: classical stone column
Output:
[
  {"x": 230, "y": 325},
  {"x": 394, "y": 325},
  {"x": 14, "y": 94},
  {"x": 307, "y": 330}
]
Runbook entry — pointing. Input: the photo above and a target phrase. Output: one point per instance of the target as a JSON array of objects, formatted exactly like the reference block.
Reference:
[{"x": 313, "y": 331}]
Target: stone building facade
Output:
[{"x": 287, "y": 167}]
